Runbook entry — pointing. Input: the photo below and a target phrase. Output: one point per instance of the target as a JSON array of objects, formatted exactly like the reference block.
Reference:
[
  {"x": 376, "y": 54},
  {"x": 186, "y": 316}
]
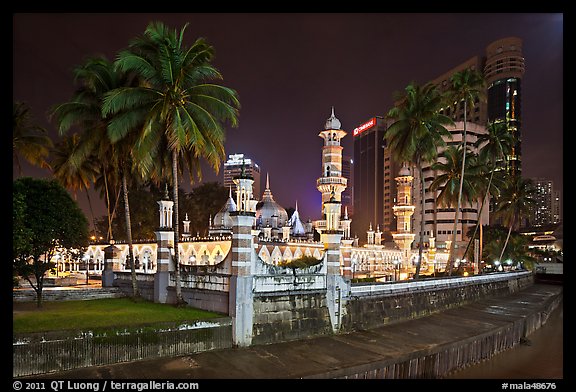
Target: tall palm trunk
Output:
[
  {"x": 135, "y": 292},
  {"x": 91, "y": 212},
  {"x": 109, "y": 214},
  {"x": 507, "y": 238},
  {"x": 480, "y": 214},
  {"x": 454, "y": 231},
  {"x": 421, "y": 240},
  {"x": 179, "y": 298},
  {"x": 480, "y": 250}
]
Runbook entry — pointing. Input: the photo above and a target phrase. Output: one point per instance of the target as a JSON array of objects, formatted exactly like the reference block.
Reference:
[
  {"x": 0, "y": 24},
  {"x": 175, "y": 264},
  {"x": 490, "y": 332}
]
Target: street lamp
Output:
[
  {"x": 396, "y": 270},
  {"x": 497, "y": 265}
]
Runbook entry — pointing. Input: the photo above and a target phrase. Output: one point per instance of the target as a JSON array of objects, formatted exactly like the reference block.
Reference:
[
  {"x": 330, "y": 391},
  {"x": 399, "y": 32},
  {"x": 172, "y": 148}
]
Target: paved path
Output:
[{"x": 332, "y": 356}]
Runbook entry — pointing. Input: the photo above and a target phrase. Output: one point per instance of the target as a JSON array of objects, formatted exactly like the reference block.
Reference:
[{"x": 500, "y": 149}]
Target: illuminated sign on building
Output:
[{"x": 367, "y": 125}]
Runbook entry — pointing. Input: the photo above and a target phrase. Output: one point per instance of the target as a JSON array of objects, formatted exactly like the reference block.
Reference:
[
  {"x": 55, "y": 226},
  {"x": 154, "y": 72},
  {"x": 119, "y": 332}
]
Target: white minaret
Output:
[
  {"x": 403, "y": 211},
  {"x": 331, "y": 184},
  {"x": 244, "y": 200},
  {"x": 332, "y": 179}
]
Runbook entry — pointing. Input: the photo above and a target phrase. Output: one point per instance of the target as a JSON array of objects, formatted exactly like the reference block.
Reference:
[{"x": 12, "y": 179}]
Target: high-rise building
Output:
[
  {"x": 546, "y": 209},
  {"x": 233, "y": 168},
  {"x": 477, "y": 114},
  {"x": 556, "y": 208},
  {"x": 503, "y": 70},
  {"x": 348, "y": 193},
  {"x": 374, "y": 172},
  {"x": 439, "y": 220}
]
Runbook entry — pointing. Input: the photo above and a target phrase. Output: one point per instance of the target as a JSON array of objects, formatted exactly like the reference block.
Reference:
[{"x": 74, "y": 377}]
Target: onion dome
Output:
[
  {"x": 332, "y": 122},
  {"x": 222, "y": 217},
  {"x": 268, "y": 212}
]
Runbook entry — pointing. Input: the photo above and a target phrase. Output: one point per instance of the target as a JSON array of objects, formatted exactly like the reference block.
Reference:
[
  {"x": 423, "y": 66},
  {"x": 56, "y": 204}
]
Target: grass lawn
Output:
[{"x": 99, "y": 313}]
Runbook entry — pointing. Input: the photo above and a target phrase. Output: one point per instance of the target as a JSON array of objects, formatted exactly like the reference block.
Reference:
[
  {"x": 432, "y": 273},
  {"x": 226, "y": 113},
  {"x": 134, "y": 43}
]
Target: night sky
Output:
[{"x": 290, "y": 69}]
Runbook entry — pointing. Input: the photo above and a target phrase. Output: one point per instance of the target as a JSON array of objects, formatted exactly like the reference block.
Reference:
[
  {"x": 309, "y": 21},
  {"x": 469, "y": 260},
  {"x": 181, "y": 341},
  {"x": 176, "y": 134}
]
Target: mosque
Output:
[{"x": 279, "y": 238}]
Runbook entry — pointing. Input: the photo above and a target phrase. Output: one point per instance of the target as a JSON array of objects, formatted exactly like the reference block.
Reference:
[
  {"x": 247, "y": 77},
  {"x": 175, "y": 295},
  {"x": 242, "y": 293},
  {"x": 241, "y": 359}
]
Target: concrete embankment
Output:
[{"x": 427, "y": 347}]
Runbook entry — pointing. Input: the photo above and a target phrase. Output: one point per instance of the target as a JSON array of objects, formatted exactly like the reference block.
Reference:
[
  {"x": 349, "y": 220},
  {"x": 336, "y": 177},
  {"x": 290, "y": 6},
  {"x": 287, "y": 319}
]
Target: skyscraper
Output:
[
  {"x": 348, "y": 193},
  {"x": 233, "y": 168},
  {"x": 546, "y": 211},
  {"x": 503, "y": 70},
  {"x": 374, "y": 172}
]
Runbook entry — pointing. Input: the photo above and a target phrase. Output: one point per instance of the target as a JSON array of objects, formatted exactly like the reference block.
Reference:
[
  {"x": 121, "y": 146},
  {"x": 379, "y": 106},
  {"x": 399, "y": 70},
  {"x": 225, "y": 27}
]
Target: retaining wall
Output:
[
  {"x": 289, "y": 316},
  {"x": 440, "y": 361},
  {"x": 374, "y": 305}
]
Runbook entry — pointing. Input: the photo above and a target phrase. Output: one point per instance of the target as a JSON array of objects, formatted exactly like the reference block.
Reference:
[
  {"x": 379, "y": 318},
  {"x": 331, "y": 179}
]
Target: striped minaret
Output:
[
  {"x": 165, "y": 240},
  {"x": 332, "y": 179},
  {"x": 240, "y": 305}
]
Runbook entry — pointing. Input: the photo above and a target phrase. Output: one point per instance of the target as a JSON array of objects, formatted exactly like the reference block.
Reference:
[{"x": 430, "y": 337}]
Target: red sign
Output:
[{"x": 367, "y": 125}]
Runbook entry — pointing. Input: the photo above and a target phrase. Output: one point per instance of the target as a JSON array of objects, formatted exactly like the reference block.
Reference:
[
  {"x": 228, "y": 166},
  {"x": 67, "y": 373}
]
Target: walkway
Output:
[{"x": 336, "y": 355}]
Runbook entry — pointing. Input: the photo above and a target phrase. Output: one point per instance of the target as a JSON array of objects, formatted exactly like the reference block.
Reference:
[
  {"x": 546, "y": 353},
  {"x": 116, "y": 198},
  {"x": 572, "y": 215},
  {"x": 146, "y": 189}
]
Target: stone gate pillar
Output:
[
  {"x": 164, "y": 260},
  {"x": 241, "y": 297},
  {"x": 111, "y": 263}
]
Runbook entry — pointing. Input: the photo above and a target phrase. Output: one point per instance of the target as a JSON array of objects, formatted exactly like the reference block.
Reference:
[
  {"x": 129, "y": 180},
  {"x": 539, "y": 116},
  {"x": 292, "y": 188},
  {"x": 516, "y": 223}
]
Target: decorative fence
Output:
[{"x": 50, "y": 352}]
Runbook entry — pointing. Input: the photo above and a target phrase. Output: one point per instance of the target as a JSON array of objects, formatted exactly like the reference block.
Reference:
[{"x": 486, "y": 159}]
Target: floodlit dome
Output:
[
  {"x": 268, "y": 212},
  {"x": 332, "y": 122},
  {"x": 222, "y": 217}
]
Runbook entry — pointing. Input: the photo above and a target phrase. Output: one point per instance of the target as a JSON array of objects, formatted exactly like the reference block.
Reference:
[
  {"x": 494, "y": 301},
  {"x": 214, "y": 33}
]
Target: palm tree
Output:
[
  {"x": 515, "y": 202},
  {"x": 28, "y": 139},
  {"x": 418, "y": 131},
  {"x": 97, "y": 77},
  {"x": 467, "y": 86},
  {"x": 449, "y": 178},
  {"x": 72, "y": 177},
  {"x": 493, "y": 146},
  {"x": 183, "y": 111}
]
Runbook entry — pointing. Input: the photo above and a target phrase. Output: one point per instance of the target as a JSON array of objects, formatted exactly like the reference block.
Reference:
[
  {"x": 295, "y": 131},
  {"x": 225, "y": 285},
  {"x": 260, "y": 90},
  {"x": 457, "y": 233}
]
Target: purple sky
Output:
[{"x": 290, "y": 69}]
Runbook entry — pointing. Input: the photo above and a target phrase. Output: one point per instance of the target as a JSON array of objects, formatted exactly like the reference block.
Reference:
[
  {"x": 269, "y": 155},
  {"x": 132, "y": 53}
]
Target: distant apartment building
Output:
[
  {"x": 233, "y": 167},
  {"x": 547, "y": 208}
]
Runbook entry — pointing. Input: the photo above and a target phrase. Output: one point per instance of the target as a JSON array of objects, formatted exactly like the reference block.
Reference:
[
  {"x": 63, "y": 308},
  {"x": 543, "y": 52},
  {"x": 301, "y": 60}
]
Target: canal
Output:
[{"x": 542, "y": 357}]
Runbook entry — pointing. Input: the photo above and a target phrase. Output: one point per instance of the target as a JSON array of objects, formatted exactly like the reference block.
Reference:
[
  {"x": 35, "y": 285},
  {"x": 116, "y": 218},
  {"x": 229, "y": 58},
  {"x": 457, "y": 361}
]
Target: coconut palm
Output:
[
  {"x": 493, "y": 146},
  {"x": 468, "y": 85},
  {"x": 29, "y": 140},
  {"x": 448, "y": 181},
  {"x": 71, "y": 177},
  {"x": 416, "y": 134},
  {"x": 98, "y": 76},
  {"x": 183, "y": 110},
  {"x": 514, "y": 203}
]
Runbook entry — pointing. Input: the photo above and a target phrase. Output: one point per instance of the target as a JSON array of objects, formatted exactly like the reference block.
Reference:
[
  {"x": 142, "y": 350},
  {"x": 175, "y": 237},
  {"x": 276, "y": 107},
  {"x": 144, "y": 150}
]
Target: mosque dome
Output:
[
  {"x": 222, "y": 217},
  {"x": 332, "y": 122},
  {"x": 404, "y": 171},
  {"x": 267, "y": 210}
]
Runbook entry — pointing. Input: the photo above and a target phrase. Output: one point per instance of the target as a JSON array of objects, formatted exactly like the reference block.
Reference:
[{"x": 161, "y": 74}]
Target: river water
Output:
[{"x": 541, "y": 358}]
